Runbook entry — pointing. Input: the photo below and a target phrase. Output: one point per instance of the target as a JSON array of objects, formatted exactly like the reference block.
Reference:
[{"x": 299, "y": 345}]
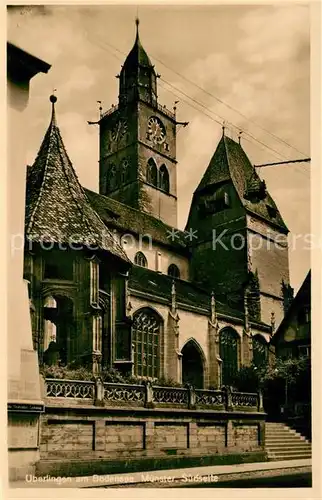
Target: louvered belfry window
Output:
[
  {"x": 229, "y": 352},
  {"x": 146, "y": 331}
]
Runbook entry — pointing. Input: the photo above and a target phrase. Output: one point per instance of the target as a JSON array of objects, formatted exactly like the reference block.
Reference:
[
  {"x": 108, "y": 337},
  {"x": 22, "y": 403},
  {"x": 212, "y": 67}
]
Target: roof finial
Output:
[
  {"x": 53, "y": 99},
  {"x": 137, "y": 22},
  {"x": 223, "y": 127},
  {"x": 239, "y": 136}
]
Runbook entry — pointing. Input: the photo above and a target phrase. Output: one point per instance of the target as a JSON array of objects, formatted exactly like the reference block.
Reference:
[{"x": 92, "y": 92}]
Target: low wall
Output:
[{"x": 73, "y": 430}]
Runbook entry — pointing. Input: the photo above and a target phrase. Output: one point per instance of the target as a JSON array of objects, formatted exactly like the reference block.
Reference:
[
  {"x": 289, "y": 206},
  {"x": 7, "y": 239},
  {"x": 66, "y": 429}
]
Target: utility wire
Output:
[
  {"x": 194, "y": 100},
  {"x": 304, "y": 160},
  {"x": 103, "y": 45},
  {"x": 217, "y": 99},
  {"x": 228, "y": 106}
]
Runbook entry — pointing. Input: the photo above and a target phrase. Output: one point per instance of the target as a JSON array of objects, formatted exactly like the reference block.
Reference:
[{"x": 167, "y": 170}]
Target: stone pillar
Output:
[
  {"x": 99, "y": 431},
  {"x": 213, "y": 354},
  {"x": 192, "y": 430},
  {"x": 174, "y": 355},
  {"x": 24, "y": 397}
]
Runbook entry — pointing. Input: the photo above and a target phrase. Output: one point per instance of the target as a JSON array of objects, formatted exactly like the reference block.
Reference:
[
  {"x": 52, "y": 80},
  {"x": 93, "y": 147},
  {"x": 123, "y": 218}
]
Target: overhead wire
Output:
[{"x": 108, "y": 47}]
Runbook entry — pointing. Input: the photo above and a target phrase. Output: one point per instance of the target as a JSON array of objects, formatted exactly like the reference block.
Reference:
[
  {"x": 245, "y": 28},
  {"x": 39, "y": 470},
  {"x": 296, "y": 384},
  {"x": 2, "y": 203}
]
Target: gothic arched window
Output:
[
  {"x": 173, "y": 271},
  {"x": 146, "y": 332},
  {"x": 164, "y": 183},
  {"x": 260, "y": 351},
  {"x": 140, "y": 259},
  {"x": 125, "y": 171},
  {"x": 152, "y": 173},
  {"x": 229, "y": 351}
]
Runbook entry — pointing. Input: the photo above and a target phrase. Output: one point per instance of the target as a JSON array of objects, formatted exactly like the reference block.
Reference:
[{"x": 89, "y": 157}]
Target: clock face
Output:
[
  {"x": 156, "y": 130},
  {"x": 119, "y": 130}
]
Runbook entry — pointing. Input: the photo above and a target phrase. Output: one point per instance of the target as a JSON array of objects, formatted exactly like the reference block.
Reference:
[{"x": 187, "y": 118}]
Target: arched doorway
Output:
[{"x": 192, "y": 365}]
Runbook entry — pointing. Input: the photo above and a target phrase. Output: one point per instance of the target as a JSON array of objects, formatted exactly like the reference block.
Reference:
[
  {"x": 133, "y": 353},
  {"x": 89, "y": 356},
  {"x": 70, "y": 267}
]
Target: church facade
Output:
[{"x": 114, "y": 283}]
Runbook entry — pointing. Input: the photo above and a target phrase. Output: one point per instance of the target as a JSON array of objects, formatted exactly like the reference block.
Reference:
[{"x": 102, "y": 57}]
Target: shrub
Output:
[{"x": 65, "y": 372}]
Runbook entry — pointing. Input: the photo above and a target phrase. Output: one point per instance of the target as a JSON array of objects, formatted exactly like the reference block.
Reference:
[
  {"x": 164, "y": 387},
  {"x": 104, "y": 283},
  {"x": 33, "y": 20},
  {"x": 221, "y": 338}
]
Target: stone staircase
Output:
[{"x": 284, "y": 443}]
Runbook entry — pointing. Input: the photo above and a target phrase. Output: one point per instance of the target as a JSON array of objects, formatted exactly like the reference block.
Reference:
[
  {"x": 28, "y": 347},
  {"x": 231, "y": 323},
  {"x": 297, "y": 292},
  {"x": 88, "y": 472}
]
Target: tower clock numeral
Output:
[
  {"x": 156, "y": 130},
  {"x": 119, "y": 130}
]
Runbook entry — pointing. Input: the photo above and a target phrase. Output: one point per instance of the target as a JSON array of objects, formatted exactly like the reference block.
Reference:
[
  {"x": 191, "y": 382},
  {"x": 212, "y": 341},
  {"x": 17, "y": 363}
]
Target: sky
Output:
[{"x": 246, "y": 65}]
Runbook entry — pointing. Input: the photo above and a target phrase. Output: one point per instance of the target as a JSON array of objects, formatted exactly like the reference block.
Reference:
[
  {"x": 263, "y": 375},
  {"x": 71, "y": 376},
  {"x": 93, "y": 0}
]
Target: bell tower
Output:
[{"x": 138, "y": 142}]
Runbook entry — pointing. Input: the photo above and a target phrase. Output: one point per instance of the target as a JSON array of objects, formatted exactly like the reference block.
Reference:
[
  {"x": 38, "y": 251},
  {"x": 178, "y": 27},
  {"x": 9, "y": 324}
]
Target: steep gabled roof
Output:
[
  {"x": 301, "y": 299},
  {"x": 230, "y": 162},
  {"x": 128, "y": 219},
  {"x": 57, "y": 208}
]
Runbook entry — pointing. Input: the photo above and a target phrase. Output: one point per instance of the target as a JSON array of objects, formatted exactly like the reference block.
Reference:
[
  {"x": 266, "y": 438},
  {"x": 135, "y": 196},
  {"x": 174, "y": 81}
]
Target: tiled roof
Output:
[
  {"x": 128, "y": 219},
  {"x": 302, "y": 299},
  {"x": 187, "y": 293},
  {"x": 57, "y": 208},
  {"x": 231, "y": 162}
]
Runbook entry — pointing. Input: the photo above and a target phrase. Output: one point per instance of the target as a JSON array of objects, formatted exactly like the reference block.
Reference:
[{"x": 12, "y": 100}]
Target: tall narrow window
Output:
[
  {"x": 125, "y": 171},
  {"x": 146, "y": 331},
  {"x": 94, "y": 276},
  {"x": 140, "y": 259},
  {"x": 152, "y": 173},
  {"x": 229, "y": 347},
  {"x": 164, "y": 183},
  {"x": 112, "y": 179},
  {"x": 260, "y": 351},
  {"x": 173, "y": 271}
]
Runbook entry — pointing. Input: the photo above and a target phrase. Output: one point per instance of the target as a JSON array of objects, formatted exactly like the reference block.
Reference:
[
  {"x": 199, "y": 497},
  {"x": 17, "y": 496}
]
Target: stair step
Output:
[
  {"x": 288, "y": 452},
  {"x": 288, "y": 446},
  {"x": 288, "y": 456}
]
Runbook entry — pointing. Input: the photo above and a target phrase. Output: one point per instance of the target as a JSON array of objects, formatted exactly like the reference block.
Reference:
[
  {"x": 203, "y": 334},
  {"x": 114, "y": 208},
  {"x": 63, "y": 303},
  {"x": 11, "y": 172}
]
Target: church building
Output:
[{"x": 115, "y": 283}]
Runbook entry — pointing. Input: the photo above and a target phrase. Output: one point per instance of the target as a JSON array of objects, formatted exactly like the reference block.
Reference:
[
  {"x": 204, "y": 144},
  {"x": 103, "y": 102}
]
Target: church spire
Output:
[{"x": 137, "y": 77}]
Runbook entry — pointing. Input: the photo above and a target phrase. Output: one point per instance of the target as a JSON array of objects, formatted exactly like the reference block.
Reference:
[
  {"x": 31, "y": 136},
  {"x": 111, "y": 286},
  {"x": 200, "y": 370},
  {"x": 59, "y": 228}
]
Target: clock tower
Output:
[{"x": 138, "y": 142}]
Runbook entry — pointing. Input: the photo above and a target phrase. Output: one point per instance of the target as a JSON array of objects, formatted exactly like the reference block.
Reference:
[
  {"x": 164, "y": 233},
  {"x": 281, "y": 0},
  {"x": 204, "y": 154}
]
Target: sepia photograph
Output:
[{"x": 160, "y": 240}]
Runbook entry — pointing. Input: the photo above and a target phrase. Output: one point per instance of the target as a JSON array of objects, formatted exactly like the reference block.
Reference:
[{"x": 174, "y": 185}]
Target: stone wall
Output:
[{"x": 76, "y": 432}]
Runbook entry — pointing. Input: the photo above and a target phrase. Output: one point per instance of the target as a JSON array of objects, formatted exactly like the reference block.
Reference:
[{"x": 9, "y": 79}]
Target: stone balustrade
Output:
[{"x": 146, "y": 395}]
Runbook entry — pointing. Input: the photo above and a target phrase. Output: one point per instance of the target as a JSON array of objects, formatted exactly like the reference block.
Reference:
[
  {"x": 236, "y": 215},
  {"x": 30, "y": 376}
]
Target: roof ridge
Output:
[{"x": 135, "y": 209}]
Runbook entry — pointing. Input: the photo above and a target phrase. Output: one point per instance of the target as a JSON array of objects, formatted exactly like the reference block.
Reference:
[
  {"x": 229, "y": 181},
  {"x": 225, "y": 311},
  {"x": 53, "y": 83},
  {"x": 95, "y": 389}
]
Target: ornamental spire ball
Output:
[{"x": 53, "y": 98}]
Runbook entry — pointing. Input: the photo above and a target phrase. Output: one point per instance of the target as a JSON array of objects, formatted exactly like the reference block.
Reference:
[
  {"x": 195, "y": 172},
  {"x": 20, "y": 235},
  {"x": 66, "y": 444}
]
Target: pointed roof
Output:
[
  {"x": 57, "y": 208},
  {"x": 230, "y": 162},
  {"x": 137, "y": 56}
]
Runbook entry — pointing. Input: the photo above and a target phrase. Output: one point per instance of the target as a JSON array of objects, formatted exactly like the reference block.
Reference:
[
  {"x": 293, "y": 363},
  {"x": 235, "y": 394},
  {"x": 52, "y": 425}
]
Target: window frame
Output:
[{"x": 140, "y": 255}]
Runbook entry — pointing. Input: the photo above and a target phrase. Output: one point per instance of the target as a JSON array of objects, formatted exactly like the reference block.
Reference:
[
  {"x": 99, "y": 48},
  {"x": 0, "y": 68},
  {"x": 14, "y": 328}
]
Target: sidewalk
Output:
[{"x": 188, "y": 475}]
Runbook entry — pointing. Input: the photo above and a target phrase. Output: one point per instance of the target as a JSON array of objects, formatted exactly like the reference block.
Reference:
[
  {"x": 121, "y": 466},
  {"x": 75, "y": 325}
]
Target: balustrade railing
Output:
[
  {"x": 62, "y": 388},
  {"x": 170, "y": 395},
  {"x": 124, "y": 394},
  {"x": 244, "y": 399},
  {"x": 210, "y": 398},
  {"x": 147, "y": 395}
]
